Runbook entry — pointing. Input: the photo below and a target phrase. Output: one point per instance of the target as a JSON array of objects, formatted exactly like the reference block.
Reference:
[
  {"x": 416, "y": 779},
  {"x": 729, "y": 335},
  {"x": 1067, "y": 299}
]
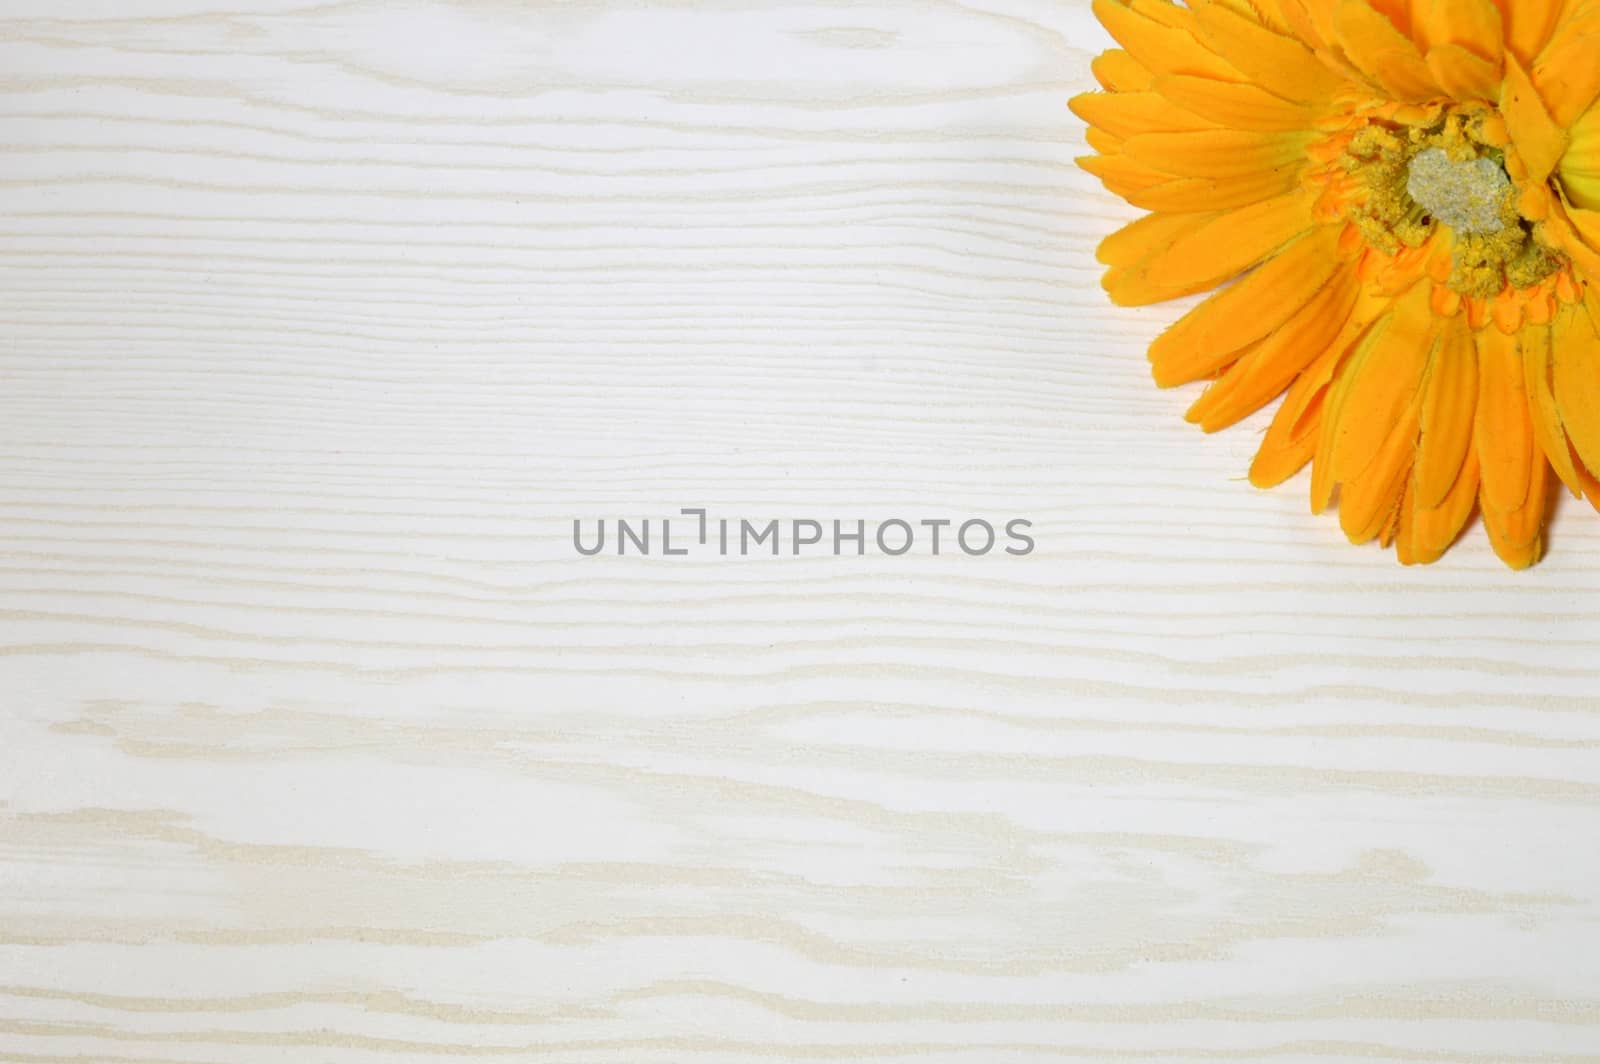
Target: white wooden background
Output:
[{"x": 323, "y": 321}]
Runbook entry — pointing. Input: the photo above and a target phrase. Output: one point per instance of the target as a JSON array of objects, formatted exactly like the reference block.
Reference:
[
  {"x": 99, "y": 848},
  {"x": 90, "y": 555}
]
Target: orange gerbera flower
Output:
[{"x": 1411, "y": 189}]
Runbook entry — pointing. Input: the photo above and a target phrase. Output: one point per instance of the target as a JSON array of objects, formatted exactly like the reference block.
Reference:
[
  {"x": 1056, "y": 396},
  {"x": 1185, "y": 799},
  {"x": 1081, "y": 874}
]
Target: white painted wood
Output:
[{"x": 319, "y": 742}]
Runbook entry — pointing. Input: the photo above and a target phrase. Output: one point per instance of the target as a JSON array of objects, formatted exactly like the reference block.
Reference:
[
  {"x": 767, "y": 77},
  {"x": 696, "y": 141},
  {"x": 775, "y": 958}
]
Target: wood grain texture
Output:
[{"x": 320, "y": 743}]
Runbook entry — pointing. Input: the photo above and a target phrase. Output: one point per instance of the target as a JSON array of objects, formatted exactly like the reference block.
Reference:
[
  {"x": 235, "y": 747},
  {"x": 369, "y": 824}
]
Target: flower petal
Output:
[
  {"x": 1281, "y": 65},
  {"x": 1187, "y": 194},
  {"x": 1159, "y": 47},
  {"x": 1122, "y": 175},
  {"x": 1538, "y": 141},
  {"x": 1232, "y": 243},
  {"x": 1129, "y": 245},
  {"x": 1221, "y": 153},
  {"x": 1398, "y": 514},
  {"x": 1473, "y": 24},
  {"x": 1432, "y": 530},
  {"x": 1588, "y": 482},
  {"x": 1518, "y": 535},
  {"x": 1103, "y": 142},
  {"x": 1463, "y": 74},
  {"x": 1567, "y": 74},
  {"x": 1126, "y": 250},
  {"x": 1537, "y": 362},
  {"x": 1236, "y": 105},
  {"x": 1503, "y": 431},
  {"x": 1272, "y": 363},
  {"x": 1189, "y": 256},
  {"x": 1312, "y": 21},
  {"x": 1267, "y": 12},
  {"x": 1385, "y": 55},
  {"x": 1284, "y": 452},
  {"x": 1118, "y": 71},
  {"x": 1382, "y": 381},
  {"x": 1576, "y": 231},
  {"x": 1130, "y": 114},
  {"x": 1576, "y": 376},
  {"x": 1292, "y": 437},
  {"x": 1448, "y": 405},
  {"x": 1369, "y": 501},
  {"x": 1580, "y": 170},
  {"x": 1528, "y": 25},
  {"x": 1211, "y": 336}
]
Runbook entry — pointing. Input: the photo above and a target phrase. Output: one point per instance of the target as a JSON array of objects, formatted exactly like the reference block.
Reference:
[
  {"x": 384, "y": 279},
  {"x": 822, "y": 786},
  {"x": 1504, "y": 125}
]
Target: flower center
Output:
[
  {"x": 1468, "y": 196},
  {"x": 1417, "y": 181}
]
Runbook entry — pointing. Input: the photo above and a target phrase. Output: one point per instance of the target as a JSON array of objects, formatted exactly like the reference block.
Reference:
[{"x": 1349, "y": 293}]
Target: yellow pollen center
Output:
[
  {"x": 1447, "y": 181},
  {"x": 1467, "y": 196}
]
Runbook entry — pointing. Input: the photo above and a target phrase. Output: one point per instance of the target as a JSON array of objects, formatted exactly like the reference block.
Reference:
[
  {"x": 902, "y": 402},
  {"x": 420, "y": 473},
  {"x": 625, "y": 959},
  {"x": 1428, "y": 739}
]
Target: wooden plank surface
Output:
[{"x": 320, "y": 742}]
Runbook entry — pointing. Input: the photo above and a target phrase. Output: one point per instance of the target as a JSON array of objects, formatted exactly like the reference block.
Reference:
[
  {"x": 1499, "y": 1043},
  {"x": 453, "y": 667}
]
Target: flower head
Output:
[{"x": 1410, "y": 190}]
